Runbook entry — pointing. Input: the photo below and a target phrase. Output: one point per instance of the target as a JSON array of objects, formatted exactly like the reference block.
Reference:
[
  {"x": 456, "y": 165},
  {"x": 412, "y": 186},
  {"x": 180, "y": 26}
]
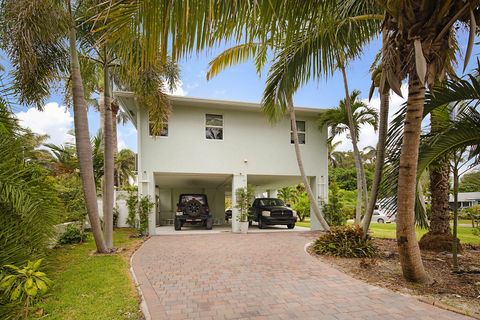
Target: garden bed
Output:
[{"x": 460, "y": 291}]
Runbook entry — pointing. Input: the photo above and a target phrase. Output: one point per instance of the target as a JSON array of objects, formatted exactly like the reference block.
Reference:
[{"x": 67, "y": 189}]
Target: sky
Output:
[{"x": 239, "y": 83}]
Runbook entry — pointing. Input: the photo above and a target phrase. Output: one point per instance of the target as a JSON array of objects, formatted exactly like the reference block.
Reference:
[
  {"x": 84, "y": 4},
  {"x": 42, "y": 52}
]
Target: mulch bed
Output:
[{"x": 458, "y": 290}]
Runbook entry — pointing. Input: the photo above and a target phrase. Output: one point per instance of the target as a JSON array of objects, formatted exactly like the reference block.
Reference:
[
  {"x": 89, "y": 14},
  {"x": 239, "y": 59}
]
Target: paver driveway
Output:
[{"x": 259, "y": 276}]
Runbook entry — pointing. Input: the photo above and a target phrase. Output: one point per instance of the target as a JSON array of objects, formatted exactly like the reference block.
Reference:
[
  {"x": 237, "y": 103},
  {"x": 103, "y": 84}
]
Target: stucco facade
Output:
[{"x": 251, "y": 150}]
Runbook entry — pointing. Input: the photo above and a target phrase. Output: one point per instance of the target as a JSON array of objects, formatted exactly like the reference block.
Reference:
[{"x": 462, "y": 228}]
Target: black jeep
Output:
[
  {"x": 193, "y": 208},
  {"x": 271, "y": 211}
]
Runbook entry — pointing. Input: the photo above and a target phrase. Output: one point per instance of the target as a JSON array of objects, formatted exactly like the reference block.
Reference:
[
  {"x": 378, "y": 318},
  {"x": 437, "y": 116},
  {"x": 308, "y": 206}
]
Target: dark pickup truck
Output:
[
  {"x": 193, "y": 208},
  {"x": 272, "y": 211}
]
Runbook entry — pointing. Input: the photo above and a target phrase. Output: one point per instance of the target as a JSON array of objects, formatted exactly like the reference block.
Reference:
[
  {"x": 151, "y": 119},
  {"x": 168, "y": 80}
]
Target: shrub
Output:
[
  {"x": 333, "y": 210},
  {"x": 73, "y": 234},
  {"x": 21, "y": 289},
  {"x": 144, "y": 208},
  {"x": 116, "y": 214},
  {"x": 132, "y": 202},
  {"x": 345, "y": 241}
]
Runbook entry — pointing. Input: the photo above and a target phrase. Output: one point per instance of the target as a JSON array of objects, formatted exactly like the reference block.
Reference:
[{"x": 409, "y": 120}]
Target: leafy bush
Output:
[
  {"x": 21, "y": 289},
  {"x": 333, "y": 210},
  {"x": 29, "y": 203},
  {"x": 245, "y": 197},
  {"x": 345, "y": 241},
  {"x": 132, "y": 202},
  {"x": 302, "y": 206},
  {"x": 73, "y": 234},
  {"x": 116, "y": 215},
  {"x": 144, "y": 208}
]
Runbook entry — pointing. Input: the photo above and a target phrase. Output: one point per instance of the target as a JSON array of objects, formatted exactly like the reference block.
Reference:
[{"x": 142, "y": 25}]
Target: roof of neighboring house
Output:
[
  {"x": 128, "y": 104},
  {"x": 466, "y": 196}
]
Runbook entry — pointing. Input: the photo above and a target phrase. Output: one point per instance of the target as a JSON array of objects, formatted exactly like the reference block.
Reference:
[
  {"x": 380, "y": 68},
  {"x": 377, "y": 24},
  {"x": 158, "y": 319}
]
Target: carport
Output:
[{"x": 169, "y": 186}]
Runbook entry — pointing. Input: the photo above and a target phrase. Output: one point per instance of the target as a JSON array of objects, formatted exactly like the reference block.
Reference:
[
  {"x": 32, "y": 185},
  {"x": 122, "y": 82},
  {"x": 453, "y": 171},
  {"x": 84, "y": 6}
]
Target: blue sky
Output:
[{"x": 237, "y": 83}]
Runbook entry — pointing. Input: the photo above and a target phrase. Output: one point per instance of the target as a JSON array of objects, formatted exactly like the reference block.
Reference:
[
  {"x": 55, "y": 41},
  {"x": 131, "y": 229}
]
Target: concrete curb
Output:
[
  {"x": 143, "y": 303},
  {"x": 444, "y": 306}
]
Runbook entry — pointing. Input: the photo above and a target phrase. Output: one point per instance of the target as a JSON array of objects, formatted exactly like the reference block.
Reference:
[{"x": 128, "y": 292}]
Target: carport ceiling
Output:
[{"x": 183, "y": 180}]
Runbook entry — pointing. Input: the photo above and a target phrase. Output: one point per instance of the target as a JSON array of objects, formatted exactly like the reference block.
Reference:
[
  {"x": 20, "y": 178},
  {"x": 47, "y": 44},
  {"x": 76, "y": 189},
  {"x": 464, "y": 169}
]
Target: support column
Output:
[
  {"x": 146, "y": 187},
  {"x": 272, "y": 193},
  {"x": 238, "y": 181},
  {"x": 318, "y": 194}
]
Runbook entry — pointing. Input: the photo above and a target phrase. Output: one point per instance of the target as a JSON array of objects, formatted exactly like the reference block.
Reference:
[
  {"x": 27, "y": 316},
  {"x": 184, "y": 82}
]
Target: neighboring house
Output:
[
  {"x": 214, "y": 147},
  {"x": 466, "y": 199}
]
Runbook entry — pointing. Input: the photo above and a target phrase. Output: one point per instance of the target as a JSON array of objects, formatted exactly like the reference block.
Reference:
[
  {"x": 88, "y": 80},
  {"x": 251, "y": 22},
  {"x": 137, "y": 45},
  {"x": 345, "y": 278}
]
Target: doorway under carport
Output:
[{"x": 169, "y": 186}]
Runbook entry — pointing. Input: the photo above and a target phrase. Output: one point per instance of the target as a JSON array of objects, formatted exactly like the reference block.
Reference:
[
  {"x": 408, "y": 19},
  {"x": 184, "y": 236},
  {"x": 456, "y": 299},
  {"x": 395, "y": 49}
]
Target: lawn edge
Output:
[{"x": 143, "y": 304}]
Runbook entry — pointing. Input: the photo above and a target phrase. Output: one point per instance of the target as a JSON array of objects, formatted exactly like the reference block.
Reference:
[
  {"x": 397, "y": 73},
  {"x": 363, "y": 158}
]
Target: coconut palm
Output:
[
  {"x": 335, "y": 158},
  {"x": 338, "y": 121}
]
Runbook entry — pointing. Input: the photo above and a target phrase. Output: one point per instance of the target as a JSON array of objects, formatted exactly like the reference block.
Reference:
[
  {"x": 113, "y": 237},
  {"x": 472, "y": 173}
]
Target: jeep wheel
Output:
[
  {"x": 194, "y": 208},
  {"x": 178, "y": 224},
  {"x": 209, "y": 224},
  {"x": 260, "y": 224},
  {"x": 291, "y": 225}
]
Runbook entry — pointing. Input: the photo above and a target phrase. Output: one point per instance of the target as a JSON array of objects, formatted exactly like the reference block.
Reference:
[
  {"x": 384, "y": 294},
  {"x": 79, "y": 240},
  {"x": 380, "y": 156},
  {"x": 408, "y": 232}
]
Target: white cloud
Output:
[
  {"x": 179, "y": 90},
  {"x": 54, "y": 120},
  {"x": 368, "y": 137}
]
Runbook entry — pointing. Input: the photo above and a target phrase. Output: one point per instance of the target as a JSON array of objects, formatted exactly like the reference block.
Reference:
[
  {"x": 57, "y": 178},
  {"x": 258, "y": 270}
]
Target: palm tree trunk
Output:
[
  {"x": 82, "y": 140},
  {"x": 108, "y": 165},
  {"x": 114, "y": 127},
  {"x": 313, "y": 201},
  {"x": 408, "y": 249},
  {"x": 379, "y": 160},
  {"x": 439, "y": 235},
  {"x": 358, "y": 159}
]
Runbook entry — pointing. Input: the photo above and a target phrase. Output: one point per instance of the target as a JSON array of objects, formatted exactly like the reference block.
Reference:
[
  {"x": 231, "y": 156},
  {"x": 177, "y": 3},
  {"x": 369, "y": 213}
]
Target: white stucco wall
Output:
[{"x": 247, "y": 136}]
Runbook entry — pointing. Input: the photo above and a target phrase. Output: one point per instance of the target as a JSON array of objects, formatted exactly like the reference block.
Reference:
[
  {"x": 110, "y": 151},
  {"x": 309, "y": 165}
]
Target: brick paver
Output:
[{"x": 259, "y": 276}]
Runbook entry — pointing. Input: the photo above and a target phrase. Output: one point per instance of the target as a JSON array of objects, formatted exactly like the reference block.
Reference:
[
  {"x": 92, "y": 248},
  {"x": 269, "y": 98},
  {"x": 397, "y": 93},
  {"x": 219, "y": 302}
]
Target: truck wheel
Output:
[
  {"x": 209, "y": 224},
  {"x": 291, "y": 225},
  {"x": 178, "y": 224},
  {"x": 260, "y": 224}
]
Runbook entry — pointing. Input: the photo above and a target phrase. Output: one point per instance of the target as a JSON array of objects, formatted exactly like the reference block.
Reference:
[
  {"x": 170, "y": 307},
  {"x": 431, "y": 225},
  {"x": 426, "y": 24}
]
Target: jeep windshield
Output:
[
  {"x": 271, "y": 202},
  {"x": 199, "y": 198}
]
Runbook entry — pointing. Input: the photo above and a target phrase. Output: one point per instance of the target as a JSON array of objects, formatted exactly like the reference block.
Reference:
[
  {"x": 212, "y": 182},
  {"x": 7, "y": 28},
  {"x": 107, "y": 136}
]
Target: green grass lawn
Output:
[
  {"x": 89, "y": 286},
  {"x": 387, "y": 230}
]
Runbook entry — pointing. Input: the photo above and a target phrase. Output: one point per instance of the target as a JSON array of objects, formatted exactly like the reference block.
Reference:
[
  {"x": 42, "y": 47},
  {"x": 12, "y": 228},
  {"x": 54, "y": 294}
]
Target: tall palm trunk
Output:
[
  {"x": 108, "y": 164},
  {"x": 356, "y": 152},
  {"x": 408, "y": 249},
  {"x": 313, "y": 201},
  {"x": 114, "y": 127},
  {"x": 379, "y": 160},
  {"x": 82, "y": 139},
  {"x": 439, "y": 235}
]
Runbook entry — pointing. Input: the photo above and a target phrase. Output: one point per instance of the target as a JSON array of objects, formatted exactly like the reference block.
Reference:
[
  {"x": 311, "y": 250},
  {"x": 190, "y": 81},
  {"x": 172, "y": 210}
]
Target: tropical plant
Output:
[
  {"x": 144, "y": 207},
  {"x": 23, "y": 286},
  {"x": 338, "y": 119},
  {"x": 333, "y": 210},
  {"x": 124, "y": 167},
  {"x": 287, "y": 194},
  {"x": 244, "y": 198},
  {"x": 470, "y": 182},
  {"x": 29, "y": 205},
  {"x": 40, "y": 40},
  {"x": 302, "y": 206},
  {"x": 132, "y": 202},
  {"x": 73, "y": 234},
  {"x": 345, "y": 241}
]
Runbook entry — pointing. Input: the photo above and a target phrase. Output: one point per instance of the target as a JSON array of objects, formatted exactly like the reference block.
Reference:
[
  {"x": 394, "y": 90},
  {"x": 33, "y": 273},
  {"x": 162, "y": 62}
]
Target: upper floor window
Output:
[
  {"x": 214, "y": 126},
  {"x": 301, "y": 130},
  {"x": 163, "y": 131}
]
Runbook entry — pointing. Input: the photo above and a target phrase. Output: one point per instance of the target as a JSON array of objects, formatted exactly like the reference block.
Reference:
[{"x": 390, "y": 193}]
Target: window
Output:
[
  {"x": 163, "y": 130},
  {"x": 301, "y": 133},
  {"x": 214, "y": 126}
]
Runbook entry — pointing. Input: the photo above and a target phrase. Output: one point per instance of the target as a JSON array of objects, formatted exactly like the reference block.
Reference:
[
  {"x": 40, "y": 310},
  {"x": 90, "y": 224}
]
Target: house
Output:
[
  {"x": 214, "y": 147},
  {"x": 465, "y": 199}
]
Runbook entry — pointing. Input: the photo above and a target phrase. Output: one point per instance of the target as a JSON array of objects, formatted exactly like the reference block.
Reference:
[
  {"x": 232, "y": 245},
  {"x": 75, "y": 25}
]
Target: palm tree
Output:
[
  {"x": 40, "y": 40},
  {"x": 124, "y": 167},
  {"x": 335, "y": 158},
  {"x": 338, "y": 121}
]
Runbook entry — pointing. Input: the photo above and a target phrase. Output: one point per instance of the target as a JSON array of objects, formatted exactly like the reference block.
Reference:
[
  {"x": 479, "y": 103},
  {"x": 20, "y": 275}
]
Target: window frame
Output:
[
  {"x": 304, "y": 132},
  {"x": 222, "y": 127}
]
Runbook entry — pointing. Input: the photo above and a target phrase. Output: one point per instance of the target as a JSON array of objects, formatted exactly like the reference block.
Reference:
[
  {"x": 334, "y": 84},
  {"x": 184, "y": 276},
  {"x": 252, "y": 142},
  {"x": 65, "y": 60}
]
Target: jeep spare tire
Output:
[{"x": 194, "y": 208}]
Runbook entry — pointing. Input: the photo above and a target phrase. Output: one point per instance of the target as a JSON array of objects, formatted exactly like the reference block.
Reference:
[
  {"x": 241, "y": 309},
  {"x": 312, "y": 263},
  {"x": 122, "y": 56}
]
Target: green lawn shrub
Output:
[{"x": 345, "y": 241}]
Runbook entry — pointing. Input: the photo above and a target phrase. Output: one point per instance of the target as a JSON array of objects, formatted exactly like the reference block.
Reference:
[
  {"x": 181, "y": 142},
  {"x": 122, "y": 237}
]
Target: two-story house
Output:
[{"x": 214, "y": 147}]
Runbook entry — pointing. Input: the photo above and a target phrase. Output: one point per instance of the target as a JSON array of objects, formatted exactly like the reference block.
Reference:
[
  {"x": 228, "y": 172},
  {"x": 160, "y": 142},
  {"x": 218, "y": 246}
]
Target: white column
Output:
[
  {"x": 146, "y": 187},
  {"x": 314, "y": 184},
  {"x": 238, "y": 181}
]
